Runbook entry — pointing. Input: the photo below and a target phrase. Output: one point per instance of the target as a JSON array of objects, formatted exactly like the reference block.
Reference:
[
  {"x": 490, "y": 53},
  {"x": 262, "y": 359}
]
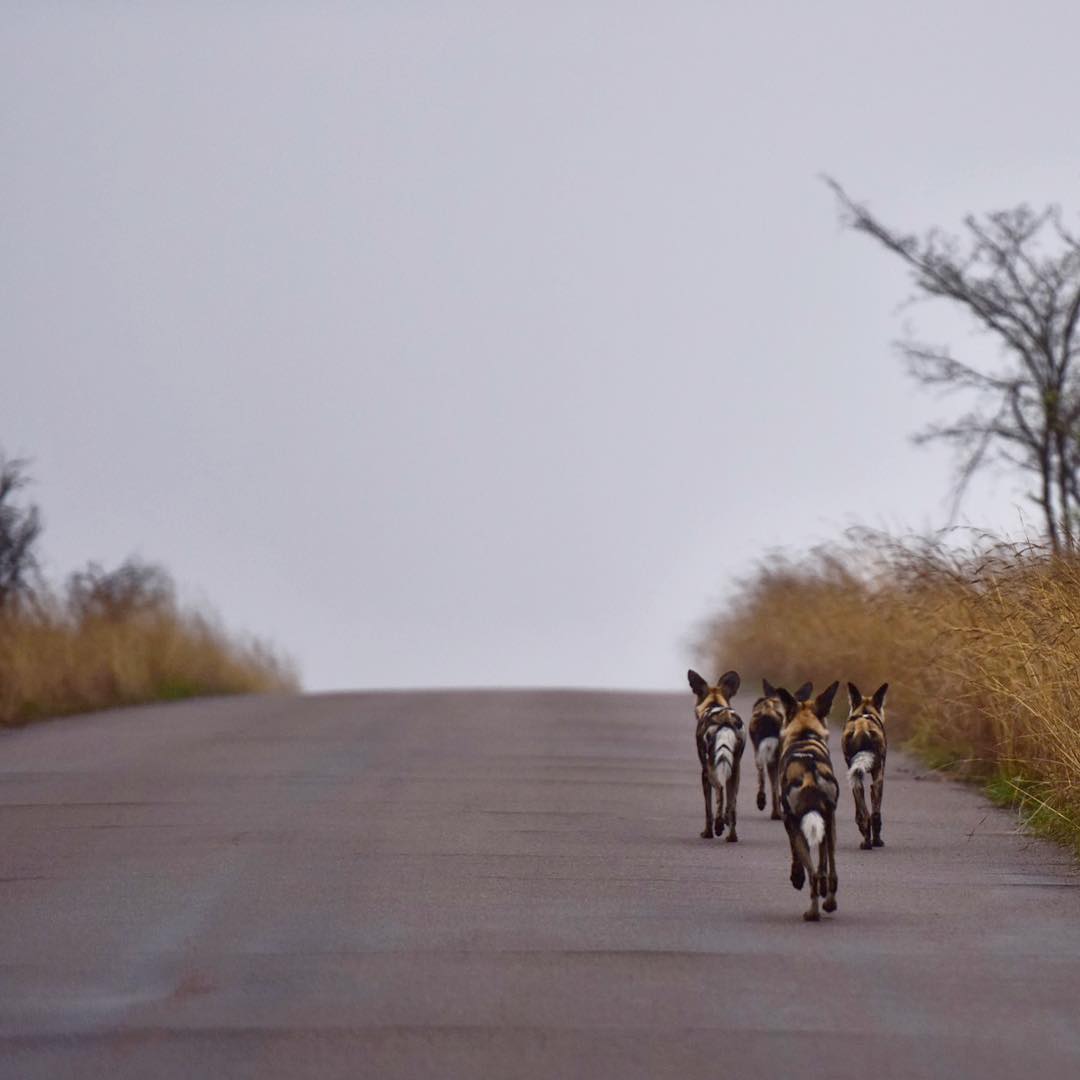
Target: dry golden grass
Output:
[
  {"x": 56, "y": 660},
  {"x": 981, "y": 650}
]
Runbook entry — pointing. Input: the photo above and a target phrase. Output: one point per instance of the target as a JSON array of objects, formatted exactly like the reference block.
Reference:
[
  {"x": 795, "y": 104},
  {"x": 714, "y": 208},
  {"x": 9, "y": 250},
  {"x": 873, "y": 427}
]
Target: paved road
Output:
[{"x": 496, "y": 884}]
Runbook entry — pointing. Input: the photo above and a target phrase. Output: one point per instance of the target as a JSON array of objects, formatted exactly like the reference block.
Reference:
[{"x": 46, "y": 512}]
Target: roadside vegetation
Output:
[
  {"x": 106, "y": 637},
  {"x": 980, "y": 646}
]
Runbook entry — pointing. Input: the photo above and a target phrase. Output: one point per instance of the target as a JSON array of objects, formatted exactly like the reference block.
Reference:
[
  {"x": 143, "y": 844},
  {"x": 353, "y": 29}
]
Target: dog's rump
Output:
[
  {"x": 723, "y": 744},
  {"x": 863, "y": 745},
  {"x": 764, "y": 726},
  {"x": 807, "y": 780},
  {"x": 765, "y": 735}
]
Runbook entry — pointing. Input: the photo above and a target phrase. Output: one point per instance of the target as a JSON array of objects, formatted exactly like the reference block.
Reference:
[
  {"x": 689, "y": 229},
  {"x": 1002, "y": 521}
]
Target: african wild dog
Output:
[
  {"x": 766, "y": 720},
  {"x": 864, "y": 744},
  {"x": 808, "y": 793},
  {"x": 720, "y": 743}
]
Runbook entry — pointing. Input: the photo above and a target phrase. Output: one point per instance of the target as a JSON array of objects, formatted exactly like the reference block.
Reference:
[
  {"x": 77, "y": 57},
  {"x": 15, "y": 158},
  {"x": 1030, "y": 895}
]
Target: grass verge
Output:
[{"x": 120, "y": 638}]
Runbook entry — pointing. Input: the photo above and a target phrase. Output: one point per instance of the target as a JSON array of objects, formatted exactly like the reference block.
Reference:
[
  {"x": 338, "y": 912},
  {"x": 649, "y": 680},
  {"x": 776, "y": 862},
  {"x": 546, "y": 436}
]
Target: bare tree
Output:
[
  {"x": 1017, "y": 274},
  {"x": 20, "y": 527}
]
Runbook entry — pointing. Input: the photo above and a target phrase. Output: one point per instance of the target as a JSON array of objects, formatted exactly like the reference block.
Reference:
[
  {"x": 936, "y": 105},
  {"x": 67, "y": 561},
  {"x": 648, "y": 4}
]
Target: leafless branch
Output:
[{"x": 1026, "y": 294}]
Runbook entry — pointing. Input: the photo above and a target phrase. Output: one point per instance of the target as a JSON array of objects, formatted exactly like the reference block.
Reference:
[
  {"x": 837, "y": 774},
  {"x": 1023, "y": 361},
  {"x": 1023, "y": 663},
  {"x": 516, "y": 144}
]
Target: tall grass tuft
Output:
[
  {"x": 981, "y": 648},
  {"x": 121, "y": 638}
]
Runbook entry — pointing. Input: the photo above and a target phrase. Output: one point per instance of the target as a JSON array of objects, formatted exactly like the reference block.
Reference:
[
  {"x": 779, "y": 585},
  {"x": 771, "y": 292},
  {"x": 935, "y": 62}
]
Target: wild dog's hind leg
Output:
[
  {"x": 833, "y": 882},
  {"x": 862, "y": 818},
  {"x": 877, "y": 793},
  {"x": 806, "y": 858},
  {"x": 718, "y": 821},
  {"x": 761, "y": 782},
  {"x": 798, "y": 872},
  {"x": 732, "y": 798},
  {"x": 774, "y": 783},
  {"x": 706, "y": 788}
]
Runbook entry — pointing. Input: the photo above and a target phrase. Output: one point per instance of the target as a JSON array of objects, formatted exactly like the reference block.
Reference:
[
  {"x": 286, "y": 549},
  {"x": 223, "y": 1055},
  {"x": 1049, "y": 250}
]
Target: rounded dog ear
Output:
[
  {"x": 804, "y": 691},
  {"x": 767, "y": 688},
  {"x": 823, "y": 702},
  {"x": 879, "y": 696},
  {"x": 854, "y": 696},
  {"x": 729, "y": 684},
  {"x": 791, "y": 705},
  {"x": 697, "y": 684}
]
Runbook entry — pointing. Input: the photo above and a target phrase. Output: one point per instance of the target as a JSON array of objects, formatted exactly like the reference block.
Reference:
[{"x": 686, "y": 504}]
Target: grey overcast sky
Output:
[{"x": 489, "y": 343}]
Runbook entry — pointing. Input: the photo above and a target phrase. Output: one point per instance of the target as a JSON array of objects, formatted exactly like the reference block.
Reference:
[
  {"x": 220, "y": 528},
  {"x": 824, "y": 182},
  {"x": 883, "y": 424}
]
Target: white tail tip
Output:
[
  {"x": 813, "y": 828},
  {"x": 766, "y": 751},
  {"x": 863, "y": 762}
]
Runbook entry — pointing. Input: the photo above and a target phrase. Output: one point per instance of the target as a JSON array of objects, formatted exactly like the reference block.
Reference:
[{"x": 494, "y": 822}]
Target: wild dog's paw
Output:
[
  {"x": 811, "y": 916},
  {"x": 706, "y": 834},
  {"x": 798, "y": 876},
  {"x": 830, "y": 904},
  {"x": 866, "y": 845},
  {"x": 718, "y": 826},
  {"x": 732, "y": 838},
  {"x": 878, "y": 842},
  {"x": 761, "y": 800},
  {"x": 775, "y": 815}
]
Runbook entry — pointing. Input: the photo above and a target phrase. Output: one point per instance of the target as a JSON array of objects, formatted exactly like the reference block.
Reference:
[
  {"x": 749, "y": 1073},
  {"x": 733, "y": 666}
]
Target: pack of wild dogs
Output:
[{"x": 790, "y": 736}]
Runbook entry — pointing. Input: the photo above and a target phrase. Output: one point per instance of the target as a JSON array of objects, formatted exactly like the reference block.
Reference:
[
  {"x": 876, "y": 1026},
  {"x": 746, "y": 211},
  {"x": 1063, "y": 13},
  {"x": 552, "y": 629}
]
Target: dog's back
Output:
[
  {"x": 864, "y": 744},
  {"x": 807, "y": 780},
  {"x": 766, "y": 720}
]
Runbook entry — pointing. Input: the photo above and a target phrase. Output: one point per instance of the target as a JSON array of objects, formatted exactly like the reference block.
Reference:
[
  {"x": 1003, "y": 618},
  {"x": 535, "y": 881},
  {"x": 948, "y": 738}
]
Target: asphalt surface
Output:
[{"x": 497, "y": 884}]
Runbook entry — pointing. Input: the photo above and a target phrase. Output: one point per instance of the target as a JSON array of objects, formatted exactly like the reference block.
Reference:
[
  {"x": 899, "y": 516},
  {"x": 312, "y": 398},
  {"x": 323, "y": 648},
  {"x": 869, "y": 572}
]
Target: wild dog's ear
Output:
[
  {"x": 697, "y": 684},
  {"x": 767, "y": 688},
  {"x": 823, "y": 702},
  {"x": 729, "y": 684},
  {"x": 804, "y": 691},
  {"x": 791, "y": 706},
  {"x": 854, "y": 696},
  {"x": 879, "y": 696}
]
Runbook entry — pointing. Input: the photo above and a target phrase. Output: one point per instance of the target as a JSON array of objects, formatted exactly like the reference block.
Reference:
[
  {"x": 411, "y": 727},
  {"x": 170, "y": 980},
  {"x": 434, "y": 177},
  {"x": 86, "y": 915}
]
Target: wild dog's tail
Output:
[
  {"x": 724, "y": 754},
  {"x": 861, "y": 764},
  {"x": 766, "y": 751},
  {"x": 813, "y": 828}
]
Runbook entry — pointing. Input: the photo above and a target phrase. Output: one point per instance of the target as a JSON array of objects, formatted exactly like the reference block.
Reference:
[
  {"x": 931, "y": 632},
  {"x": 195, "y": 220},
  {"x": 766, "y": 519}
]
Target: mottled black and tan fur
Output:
[
  {"x": 766, "y": 720},
  {"x": 809, "y": 793},
  {"x": 864, "y": 745},
  {"x": 720, "y": 740}
]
